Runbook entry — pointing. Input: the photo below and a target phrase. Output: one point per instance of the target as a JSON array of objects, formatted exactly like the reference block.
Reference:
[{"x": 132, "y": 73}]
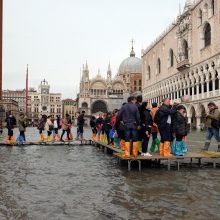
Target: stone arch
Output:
[
  {"x": 191, "y": 114},
  {"x": 99, "y": 106},
  {"x": 84, "y": 105},
  {"x": 185, "y": 48}
]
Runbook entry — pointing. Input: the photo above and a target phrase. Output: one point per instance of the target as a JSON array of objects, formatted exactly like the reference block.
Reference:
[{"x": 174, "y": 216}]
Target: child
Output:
[
  {"x": 22, "y": 124},
  {"x": 180, "y": 130}
]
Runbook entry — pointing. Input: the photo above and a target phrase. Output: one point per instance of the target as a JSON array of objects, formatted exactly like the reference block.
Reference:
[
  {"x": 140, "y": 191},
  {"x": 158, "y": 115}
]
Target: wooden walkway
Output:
[
  {"x": 190, "y": 157},
  {"x": 51, "y": 143}
]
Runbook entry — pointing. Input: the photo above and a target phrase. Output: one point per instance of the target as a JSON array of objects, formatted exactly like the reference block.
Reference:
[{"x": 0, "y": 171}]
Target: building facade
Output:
[
  {"x": 69, "y": 106},
  {"x": 16, "y": 95},
  {"x": 42, "y": 101},
  {"x": 10, "y": 106},
  {"x": 102, "y": 94},
  {"x": 185, "y": 60}
]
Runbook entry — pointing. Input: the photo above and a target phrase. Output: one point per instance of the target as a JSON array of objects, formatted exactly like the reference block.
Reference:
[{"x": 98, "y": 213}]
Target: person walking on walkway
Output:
[
  {"x": 11, "y": 123},
  {"x": 213, "y": 125},
  {"x": 146, "y": 126},
  {"x": 56, "y": 124},
  {"x": 140, "y": 134},
  {"x": 93, "y": 127},
  {"x": 130, "y": 117},
  {"x": 22, "y": 124},
  {"x": 80, "y": 124},
  {"x": 41, "y": 125},
  {"x": 163, "y": 119},
  {"x": 99, "y": 124},
  {"x": 180, "y": 129},
  {"x": 49, "y": 127},
  {"x": 155, "y": 141},
  {"x": 65, "y": 127}
]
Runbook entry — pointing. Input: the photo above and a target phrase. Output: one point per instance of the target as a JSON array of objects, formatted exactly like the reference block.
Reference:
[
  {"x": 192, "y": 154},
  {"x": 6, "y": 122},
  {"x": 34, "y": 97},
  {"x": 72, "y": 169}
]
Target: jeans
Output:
[
  {"x": 68, "y": 134},
  {"x": 131, "y": 134},
  {"x": 145, "y": 143},
  {"x": 213, "y": 132},
  {"x": 23, "y": 135}
]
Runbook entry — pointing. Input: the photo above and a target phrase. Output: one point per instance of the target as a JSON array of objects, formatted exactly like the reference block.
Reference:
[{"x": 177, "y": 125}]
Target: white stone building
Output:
[
  {"x": 42, "y": 101},
  {"x": 103, "y": 94},
  {"x": 185, "y": 60}
]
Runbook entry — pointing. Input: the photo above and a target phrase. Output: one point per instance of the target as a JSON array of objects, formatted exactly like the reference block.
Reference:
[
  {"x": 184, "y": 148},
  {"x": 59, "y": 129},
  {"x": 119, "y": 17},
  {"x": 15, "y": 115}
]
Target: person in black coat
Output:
[
  {"x": 163, "y": 119},
  {"x": 180, "y": 129},
  {"x": 11, "y": 123},
  {"x": 146, "y": 126}
]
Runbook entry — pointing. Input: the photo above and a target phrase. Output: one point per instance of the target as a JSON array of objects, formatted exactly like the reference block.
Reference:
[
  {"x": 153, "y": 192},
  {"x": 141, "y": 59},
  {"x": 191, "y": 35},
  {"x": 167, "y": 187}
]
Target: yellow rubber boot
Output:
[
  {"x": 135, "y": 149},
  {"x": 139, "y": 146},
  {"x": 41, "y": 137},
  {"x": 161, "y": 149},
  {"x": 167, "y": 149},
  {"x": 98, "y": 137},
  {"x": 48, "y": 138},
  {"x": 58, "y": 137},
  {"x": 53, "y": 138},
  {"x": 71, "y": 136},
  {"x": 102, "y": 138},
  {"x": 122, "y": 144},
  {"x": 126, "y": 153},
  {"x": 12, "y": 140},
  {"x": 7, "y": 140}
]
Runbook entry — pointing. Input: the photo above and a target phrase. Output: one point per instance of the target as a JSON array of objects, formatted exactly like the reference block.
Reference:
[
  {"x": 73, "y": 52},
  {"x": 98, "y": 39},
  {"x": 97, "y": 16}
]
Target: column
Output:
[
  {"x": 188, "y": 90},
  {"x": 198, "y": 122},
  {"x": 213, "y": 87},
  {"x": 207, "y": 88},
  {"x": 202, "y": 89},
  {"x": 190, "y": 121},
  {"x": 193, "y": 92},
  {"x": 197, "y": 90}
]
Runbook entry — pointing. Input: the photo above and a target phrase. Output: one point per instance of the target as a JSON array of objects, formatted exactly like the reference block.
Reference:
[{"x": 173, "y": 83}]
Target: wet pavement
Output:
[{"x": 80, "y": 182}]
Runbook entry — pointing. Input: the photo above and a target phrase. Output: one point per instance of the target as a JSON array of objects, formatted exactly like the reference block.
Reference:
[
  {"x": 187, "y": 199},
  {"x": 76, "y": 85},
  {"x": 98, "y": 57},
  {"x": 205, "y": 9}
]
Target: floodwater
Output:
[{"x": 80, "y": 182}]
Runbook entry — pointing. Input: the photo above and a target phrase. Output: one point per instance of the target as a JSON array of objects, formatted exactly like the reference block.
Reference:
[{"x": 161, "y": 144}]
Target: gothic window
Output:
[
  {"x": 99, "y": 106},
  {"x": 200, "y": 17},
  {"x": 171, "y": 56},
  {"x": 148, "y": 73},
  {"x": 158, "y": 66},
  {"x": 185, "y": 49},
  {"x": 212, "y": 7},
  {"x": 207, "y": 35}
]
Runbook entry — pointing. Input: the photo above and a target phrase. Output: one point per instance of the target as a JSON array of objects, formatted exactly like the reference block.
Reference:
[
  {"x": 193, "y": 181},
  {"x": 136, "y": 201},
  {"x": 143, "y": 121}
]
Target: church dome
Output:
[{"x": 131, "y": 64}]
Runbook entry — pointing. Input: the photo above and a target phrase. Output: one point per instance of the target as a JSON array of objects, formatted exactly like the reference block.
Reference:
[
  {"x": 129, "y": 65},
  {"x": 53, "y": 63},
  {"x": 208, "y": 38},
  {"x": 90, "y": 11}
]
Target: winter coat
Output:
[
  {"x": 41, "y": 124},
  {"x": 214, "y": 114},
  {"x": 179, "y": 124},
  {"x": 164, "y": 115},
  {"x": 65, "y": 124},
  {"x": 22, "y": 124},
  {"x": 153, "y": 112},
  {"x": 92, "y": 123},
  {"x": 80, "y": 120},
  {"x": 129, "y": 115},
  {"x": 55, "y": 123},
  {"x": 11, "y": 122},
  {"x": 48, "y": 125},
  {"x": 107, "y": 123},
  {"x": 146, "y": 121}
]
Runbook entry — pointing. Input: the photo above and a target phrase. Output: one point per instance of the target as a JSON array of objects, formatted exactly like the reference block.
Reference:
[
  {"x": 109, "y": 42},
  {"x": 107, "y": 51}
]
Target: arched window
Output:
[
  {"x": 185, "y": 49},
  {"x": 200, "y": 16},
  {"x": 158, "y": 66},
  {"x": 148, "y": 73},
  {"x": 207, "y": 35},
  {"x": 171, "y": 56},
  {"x": 212, "y": 7}
]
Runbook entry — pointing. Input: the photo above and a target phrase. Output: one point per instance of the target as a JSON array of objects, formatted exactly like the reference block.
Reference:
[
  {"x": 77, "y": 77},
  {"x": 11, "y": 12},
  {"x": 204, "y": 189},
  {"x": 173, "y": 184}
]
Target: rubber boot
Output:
[
  {"x": 102, "y": 138},
  {"x": 48, "y": 138},
  {"x": 135, "y": 149},
  {"x": 153, "y": 146},
  {"x": 206, "y": 146},
  {"x": 161, "y": 149},
  {"x": 41, "y": 137},
  {"x": 12, "y": 140},
  {"x": 126, "y": 153},
  {"x": 167, "y": 149},
  {"x": 71, "y": 136},
  {"x": 122, "y": 144},
  {"x": 53, "y": 138},
  {"x": 139, "y": 146},
  {"x": 98, "y": 137},
  {"x": 7, "y": 140},
  {"x": 58, "y": 137}
]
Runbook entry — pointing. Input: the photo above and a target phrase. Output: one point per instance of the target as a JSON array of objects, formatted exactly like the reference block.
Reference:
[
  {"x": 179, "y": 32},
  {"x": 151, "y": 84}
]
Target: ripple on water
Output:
[{"x": 62, "y": 182}]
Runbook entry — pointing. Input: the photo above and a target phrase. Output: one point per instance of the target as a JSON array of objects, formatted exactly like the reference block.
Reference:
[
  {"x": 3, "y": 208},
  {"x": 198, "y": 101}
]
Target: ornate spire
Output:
[
  {"x": 109, "y": 73},
  {"x": 132, "y": 54}
]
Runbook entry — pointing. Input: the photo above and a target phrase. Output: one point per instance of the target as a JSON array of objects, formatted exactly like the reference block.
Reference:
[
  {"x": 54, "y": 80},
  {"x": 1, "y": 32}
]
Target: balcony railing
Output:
[{"x": 183, "y": 64}]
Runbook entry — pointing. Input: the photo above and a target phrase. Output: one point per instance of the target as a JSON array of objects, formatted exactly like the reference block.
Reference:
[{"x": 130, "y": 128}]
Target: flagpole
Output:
[{"x": 26, "y": 92}]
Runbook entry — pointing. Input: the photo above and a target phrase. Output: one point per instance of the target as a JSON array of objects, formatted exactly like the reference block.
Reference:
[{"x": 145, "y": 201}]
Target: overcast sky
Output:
[{"x": 55, "y": 37}]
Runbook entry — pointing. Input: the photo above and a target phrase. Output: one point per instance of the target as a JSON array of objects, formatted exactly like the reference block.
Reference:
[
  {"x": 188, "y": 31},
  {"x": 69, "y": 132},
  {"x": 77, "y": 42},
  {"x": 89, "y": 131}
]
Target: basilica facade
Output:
[
  {"x": 104, "y": 92},
  {"x": 185, "y": 60}
]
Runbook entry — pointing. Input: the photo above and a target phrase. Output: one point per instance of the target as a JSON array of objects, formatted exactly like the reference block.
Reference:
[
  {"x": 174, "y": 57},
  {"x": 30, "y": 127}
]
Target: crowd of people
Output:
[
  {"x": 129, "y": 128},
  {"x": 55, "y": 128}
]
